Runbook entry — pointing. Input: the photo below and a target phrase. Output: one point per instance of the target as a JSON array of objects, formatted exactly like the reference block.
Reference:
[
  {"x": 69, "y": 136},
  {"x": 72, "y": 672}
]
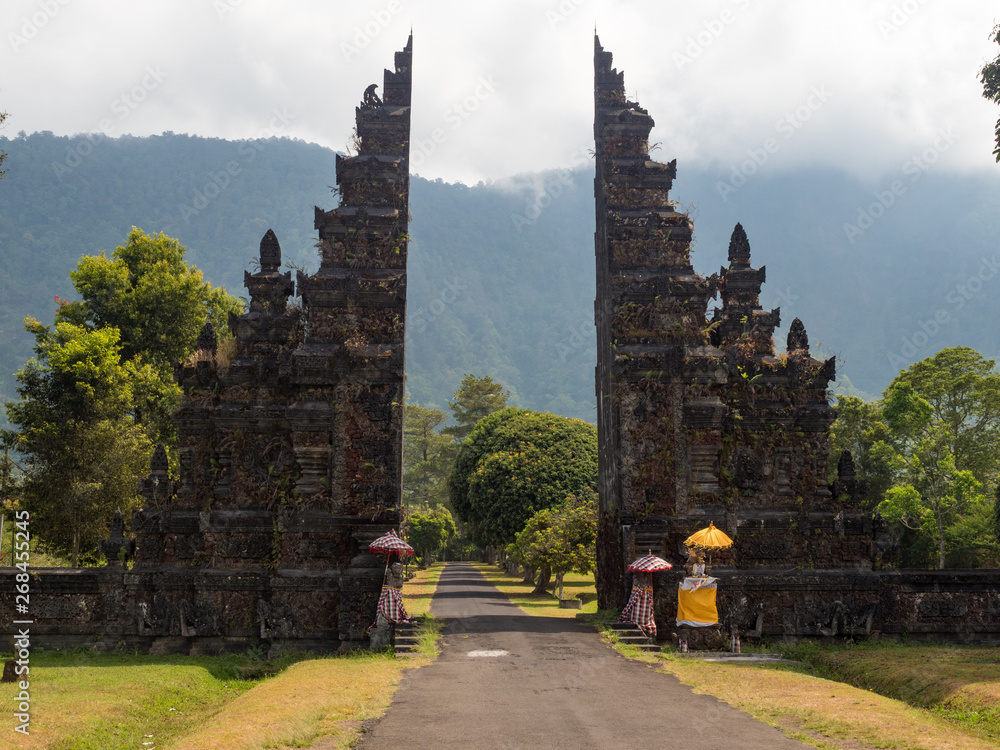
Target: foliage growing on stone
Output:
[{"x": 515, "y": 463}]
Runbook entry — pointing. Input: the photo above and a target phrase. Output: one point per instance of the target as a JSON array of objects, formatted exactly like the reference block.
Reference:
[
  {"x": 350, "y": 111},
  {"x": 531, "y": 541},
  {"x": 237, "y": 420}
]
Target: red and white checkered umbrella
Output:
[
  {"x": 390, "y": 543},
  {"x": 649, "y": 564}
]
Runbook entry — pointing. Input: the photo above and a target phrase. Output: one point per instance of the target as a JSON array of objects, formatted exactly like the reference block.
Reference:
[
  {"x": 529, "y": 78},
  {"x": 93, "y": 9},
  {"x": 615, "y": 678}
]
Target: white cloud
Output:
[{"x": 898, "y": 71}]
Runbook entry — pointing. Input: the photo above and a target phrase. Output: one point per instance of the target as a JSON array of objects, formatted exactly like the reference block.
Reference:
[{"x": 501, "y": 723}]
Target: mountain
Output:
[{"x": 501, "y": 276}]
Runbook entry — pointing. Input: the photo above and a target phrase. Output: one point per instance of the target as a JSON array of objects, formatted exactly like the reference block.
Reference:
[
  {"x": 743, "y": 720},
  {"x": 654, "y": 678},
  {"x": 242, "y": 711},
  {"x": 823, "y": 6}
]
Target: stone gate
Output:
[{"x": 700, "y": 420}]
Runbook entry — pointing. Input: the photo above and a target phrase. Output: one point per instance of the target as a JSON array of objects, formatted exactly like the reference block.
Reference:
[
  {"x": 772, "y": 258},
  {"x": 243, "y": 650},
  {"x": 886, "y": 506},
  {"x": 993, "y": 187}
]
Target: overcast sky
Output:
[{"x": 852, "y": 84}]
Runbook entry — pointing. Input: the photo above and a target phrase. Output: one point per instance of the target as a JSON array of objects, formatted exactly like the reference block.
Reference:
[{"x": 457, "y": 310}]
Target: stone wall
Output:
[
  {"x": 290, "y": 453},
  {"x": 701, "y": 420}
]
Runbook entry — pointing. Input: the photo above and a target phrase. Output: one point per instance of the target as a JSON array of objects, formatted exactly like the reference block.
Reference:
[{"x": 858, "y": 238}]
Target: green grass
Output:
[
  {"x": 38, "y": 558},
  {"x": 958, "y": 683},
  {"x": 574, "y": 585},
  {"x": 419, "y": 590},
  {"x": 87, "y": 701}
]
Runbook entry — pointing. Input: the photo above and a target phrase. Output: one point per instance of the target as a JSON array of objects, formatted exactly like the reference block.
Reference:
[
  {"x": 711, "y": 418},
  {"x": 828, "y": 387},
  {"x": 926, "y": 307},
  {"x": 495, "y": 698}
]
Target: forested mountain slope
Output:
[{"x": 501, "y": 277}]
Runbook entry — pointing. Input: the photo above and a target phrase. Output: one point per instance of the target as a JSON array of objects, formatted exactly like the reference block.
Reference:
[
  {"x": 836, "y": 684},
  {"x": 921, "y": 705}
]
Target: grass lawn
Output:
[
  {"x": 958, "y": 683},
  {"x": 821, "y": 712},
  {"x": 543, "y": 604},
  {"x": 954, "y": 692},
  {"x": 83, "y": 701},
  {"x": 38, "y": 558}
]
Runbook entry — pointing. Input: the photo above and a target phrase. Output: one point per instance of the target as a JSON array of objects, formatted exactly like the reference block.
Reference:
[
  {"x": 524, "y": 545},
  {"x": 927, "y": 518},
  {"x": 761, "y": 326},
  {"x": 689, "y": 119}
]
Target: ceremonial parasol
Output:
[
  {"x": 389, "y": 543},
  {"x": 649, "y": 564},
  {"x": 710, "y": 538}
]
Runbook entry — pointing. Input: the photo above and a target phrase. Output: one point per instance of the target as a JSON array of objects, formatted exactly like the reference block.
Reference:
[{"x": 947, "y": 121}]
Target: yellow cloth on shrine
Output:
[{"x": 697, "y": 607}]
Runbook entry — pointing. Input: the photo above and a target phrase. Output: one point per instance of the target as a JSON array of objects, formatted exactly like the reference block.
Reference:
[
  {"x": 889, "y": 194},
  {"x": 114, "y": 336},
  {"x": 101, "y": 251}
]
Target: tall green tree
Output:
[
  {"x": 428, "y": 455},
  {"x": 82, "y": 451},
  {"x": 474, "y": 399},
  {"x": 939, "y": 415},
  {"x": 990, "y": 78},
  {"x": 516, "y": 462},
  {"x": 158, "y": 303},
  {"x": 860, "y": 429},
  {"x": 429, "y": 530},
  {"x": 962, "y": 389},
  {"x": 561, "y": 539}
]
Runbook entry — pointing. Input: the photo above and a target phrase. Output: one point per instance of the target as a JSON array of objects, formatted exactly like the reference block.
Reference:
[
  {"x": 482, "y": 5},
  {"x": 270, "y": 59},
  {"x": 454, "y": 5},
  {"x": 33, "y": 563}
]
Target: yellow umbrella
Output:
[{"x": 710, "y": 538}]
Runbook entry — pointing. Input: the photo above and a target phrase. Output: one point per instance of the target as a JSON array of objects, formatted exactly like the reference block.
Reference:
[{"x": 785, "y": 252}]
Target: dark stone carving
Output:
[
  {"x": 207, "y": 340},
  {"x": 845, "y": 466},
  {"x": 764, "y": 548},
  {"x": 739, "y": 248},
  {"x": 159, "y": 465},
  {"x": 116, "y": 548},
  {"x": 270, "y": 252},
  {"x": 943, "y": 608},
  {"x": 747, "y": 470},
  {"x": 304, "y": 421},
  {"x": 847, "y": 486},
  {"x": 371, "y": 99},
  {"x": 798, "y": 339}
]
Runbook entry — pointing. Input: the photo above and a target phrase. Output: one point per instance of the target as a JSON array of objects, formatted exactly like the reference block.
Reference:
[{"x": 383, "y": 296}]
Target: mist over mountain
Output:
[{"x": 501, "y": 276}]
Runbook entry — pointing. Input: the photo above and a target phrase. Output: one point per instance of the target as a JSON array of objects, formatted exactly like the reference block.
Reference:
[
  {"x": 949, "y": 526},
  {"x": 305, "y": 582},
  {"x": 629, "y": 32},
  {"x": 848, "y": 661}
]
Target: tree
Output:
[
  {"x": 963, "y": 393},
  {"x": 996, "y": 514},
  {"x": 83, "y": 453},
  {"x": 990, "y": 78},
  {"x": 516, "y": 462},
  {"x": 941, "y": 450},
  {"x": 860, "y": 429},
  {"x": 561, "y": 539},
  {"x": 474, "y": 399},
  {"x": 429, "y": 530},
  {"x": 3, "y": 155},
  {"x": 159, "y": 304},
  {"x": 428, "y": 456},
  {"x": 10, "y": 491}
]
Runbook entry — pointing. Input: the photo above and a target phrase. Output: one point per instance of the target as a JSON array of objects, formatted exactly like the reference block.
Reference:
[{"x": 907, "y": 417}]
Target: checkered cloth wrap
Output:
[
  {"x": 390, "y": 605},
  {"x": 639, "y": 609}
]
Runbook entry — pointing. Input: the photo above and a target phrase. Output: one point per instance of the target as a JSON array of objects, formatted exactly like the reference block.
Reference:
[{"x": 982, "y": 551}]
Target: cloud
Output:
[{"x": 718, "y": 77}]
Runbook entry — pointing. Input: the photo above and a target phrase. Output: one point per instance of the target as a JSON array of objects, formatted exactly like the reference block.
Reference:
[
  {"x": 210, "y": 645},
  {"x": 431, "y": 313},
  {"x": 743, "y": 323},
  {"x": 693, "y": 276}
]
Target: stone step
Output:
[
  {"x": 629, "y": 633},
  {"x": 407, "y": 636}
]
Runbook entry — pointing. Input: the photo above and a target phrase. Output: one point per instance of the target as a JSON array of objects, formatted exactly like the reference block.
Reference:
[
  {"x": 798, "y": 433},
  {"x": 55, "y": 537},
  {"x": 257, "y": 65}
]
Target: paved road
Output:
[{"x": 545, "y": 682}]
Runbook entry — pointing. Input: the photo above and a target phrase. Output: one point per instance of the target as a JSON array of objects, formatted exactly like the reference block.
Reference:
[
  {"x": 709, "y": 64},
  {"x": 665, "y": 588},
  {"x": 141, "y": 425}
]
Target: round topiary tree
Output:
[{"x": 515, "y": 463}]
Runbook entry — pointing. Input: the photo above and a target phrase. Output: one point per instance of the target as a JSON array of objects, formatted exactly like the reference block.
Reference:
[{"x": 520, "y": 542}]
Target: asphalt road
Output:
[{"x": 510, "y": 681}]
